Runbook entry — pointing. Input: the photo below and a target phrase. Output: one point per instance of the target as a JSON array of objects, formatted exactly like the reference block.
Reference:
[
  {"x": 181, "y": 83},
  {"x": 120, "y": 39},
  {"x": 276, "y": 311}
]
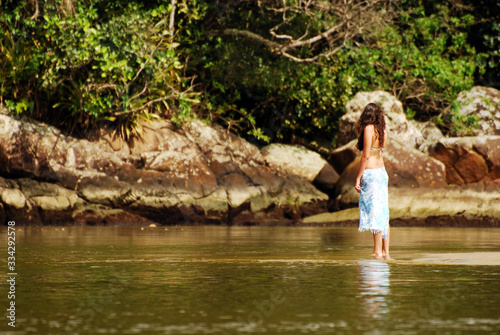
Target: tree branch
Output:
[
  {"x": 139, "y": 94},
  {"x": 171, "y": 27},
  {"x": 316, "y": 38},
  {"x": 146, "y": 105},
  {"x": 284, "y": 49},
  {"x": 152, "y": 102},
  {"x": 348, "y": 17},
  {"x": 37, "y": 10},
  {"x": 251, "y": 36},
  {"x": 315, "y": 58}
]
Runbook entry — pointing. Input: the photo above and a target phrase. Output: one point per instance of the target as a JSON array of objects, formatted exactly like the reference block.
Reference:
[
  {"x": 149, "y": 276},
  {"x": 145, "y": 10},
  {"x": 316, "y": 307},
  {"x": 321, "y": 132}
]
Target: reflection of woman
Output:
[
  {"x": 374, "y": 287},
  {"x": 372, "y": 180}
]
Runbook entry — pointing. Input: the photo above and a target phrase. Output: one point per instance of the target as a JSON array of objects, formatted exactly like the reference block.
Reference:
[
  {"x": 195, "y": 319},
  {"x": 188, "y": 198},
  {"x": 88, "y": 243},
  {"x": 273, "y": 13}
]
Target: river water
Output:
[{"x": 252, "y": 280}]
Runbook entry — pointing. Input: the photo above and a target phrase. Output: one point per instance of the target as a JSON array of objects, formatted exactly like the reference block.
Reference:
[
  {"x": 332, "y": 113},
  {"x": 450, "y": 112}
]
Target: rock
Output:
[
  {"x": 3, "y": 215},
  {"x": 36, "y": 150},
  {"x": 341, "y": 157},
  {"x": 326, "y": 179},
  {"x": 13, "y": 198},
  {"x": 407, "y": 168},
  {"x": 36, "y": 202},
  {"x": 238, "y": 189},
  {"x": 273, "y": 190},
  {"x": 469, "y": 159},
  {"x": 48, "y": 197},
  {"x": 300, "y": 161},
  {"x": 471, "y": 167},
  {"x": 51, "y": 203},
  {"x": 107, "y": 137},
  {"x": 15, "y": 205},
  {"x": 410, "y": 168},
  {"x": 222, "y": 147},
  {"x": 476, "y": 204},
  {"x": 178, "y": 157},
  {"x": 193, "y": 174},
  {"x": 102, "y": 189},
  {"x": 483, "y": 103},
  {"x": 345, "y": 195},
  {"x": 294, "y": 159},
  {"x": 396, "y": 123},
  {"x": 430, "y": 135},
  {"x": 95, "y": 214},
  {"x": 215, "y": 202}
]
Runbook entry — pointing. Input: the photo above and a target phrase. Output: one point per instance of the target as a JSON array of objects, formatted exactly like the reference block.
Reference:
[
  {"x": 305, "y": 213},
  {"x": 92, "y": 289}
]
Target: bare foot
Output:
[
  {"x": 387, "y": 257},
  {"x": 377, "y": 256}
]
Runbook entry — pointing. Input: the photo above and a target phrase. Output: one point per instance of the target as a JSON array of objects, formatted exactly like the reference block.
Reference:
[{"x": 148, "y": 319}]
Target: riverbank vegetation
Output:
[{"x": 267, "y": 70}]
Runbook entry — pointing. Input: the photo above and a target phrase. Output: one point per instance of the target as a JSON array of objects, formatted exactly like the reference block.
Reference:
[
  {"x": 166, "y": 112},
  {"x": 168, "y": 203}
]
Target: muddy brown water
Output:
[{"x": 252, "y": 280}]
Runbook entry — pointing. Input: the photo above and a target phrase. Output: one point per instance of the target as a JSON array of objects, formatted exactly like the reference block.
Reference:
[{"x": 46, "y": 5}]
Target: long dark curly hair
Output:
[{"x": 372, "y": 114}]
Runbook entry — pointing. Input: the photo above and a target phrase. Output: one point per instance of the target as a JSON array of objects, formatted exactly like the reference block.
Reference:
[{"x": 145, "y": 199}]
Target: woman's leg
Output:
[
  {"x": 377, "y": 245},
  {"x": 385, "y": 243}
]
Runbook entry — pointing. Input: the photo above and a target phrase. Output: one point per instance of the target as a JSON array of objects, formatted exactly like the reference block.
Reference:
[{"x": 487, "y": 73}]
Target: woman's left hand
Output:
[{"x": 358, "y": 185}]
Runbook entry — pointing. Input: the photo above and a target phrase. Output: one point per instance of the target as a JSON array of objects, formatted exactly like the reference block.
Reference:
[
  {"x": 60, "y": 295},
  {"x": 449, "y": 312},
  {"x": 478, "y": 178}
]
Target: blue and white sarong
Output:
[{"x": 374, "y": 201}]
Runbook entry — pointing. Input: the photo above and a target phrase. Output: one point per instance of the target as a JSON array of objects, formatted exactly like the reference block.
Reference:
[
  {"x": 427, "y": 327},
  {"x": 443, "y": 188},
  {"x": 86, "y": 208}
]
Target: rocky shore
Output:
[
  {"x": 433, "y": 180},
  {"x": 477, "y": 205},
  {"x": 192, "y": 175},
  {"x": 201, "y": 174}
]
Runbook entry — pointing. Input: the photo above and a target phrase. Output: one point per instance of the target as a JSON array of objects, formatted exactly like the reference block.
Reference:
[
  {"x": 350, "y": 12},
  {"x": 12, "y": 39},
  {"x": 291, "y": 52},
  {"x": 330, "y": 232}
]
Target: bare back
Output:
[{"x": 376, "y": 160}]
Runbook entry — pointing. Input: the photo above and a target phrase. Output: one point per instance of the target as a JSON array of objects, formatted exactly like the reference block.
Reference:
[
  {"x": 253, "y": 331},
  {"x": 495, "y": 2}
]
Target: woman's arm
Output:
[{"x": 367, "y": 139}]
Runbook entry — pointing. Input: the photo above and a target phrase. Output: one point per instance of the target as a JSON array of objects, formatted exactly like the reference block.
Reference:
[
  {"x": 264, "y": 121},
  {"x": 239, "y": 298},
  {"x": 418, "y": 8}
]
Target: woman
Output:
[{"x": 372, "y": 180}]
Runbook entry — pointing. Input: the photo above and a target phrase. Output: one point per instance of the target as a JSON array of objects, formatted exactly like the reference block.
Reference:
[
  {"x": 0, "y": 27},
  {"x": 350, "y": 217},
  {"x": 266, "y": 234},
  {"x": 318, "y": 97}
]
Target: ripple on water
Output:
[{"x": 216, "y": 280}]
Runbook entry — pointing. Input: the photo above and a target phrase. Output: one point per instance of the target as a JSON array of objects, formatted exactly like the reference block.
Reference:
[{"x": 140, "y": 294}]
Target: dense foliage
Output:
[{"x": 85, "y": 64}]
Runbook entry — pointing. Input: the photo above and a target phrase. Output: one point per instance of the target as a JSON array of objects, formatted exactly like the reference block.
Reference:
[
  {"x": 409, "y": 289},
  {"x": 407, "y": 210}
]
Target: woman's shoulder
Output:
[{"x": 370, "y": 128}]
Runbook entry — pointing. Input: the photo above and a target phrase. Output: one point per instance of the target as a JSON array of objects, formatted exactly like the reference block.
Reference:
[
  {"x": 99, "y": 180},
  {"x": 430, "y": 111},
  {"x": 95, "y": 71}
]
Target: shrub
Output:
[{"x": 100, "y": 63}]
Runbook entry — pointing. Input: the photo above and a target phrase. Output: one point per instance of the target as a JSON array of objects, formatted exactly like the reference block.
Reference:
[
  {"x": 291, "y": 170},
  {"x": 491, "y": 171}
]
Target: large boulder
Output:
[
  {"x": 430, "y": 135},
  {"x": 484, "y": 104},
  {"x": 406, "y": 167},
  {"x": 300, "y": 161},
  {"x": 341, "y": 157},
  {"x": 467, "y": 205},
  {"x": 31, "y": 202},
  {"x": 295, "y": 159},
  {"x": 469, "y": 159},
  {"x": 248, "y": 180},
  {"x": 396, "y": 123},
  {"x": 32, "y": 149},
  {"x": 192, "y": 174}
]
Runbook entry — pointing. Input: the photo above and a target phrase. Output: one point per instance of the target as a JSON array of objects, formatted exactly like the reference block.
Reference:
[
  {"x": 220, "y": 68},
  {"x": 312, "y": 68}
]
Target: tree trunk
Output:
[{"x": 171, "y": 27}]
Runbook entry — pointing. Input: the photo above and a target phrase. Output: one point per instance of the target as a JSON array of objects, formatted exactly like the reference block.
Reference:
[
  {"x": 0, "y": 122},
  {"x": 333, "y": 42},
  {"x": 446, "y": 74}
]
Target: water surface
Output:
[{"x": 253, "y": 280}]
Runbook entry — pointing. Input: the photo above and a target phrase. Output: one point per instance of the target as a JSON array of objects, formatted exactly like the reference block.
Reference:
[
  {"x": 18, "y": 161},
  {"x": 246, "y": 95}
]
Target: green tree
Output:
[
  {"x": 268, "y": 70},
  {"x": 263, "y": 59},
  {"x": 92, "y": 61}
]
